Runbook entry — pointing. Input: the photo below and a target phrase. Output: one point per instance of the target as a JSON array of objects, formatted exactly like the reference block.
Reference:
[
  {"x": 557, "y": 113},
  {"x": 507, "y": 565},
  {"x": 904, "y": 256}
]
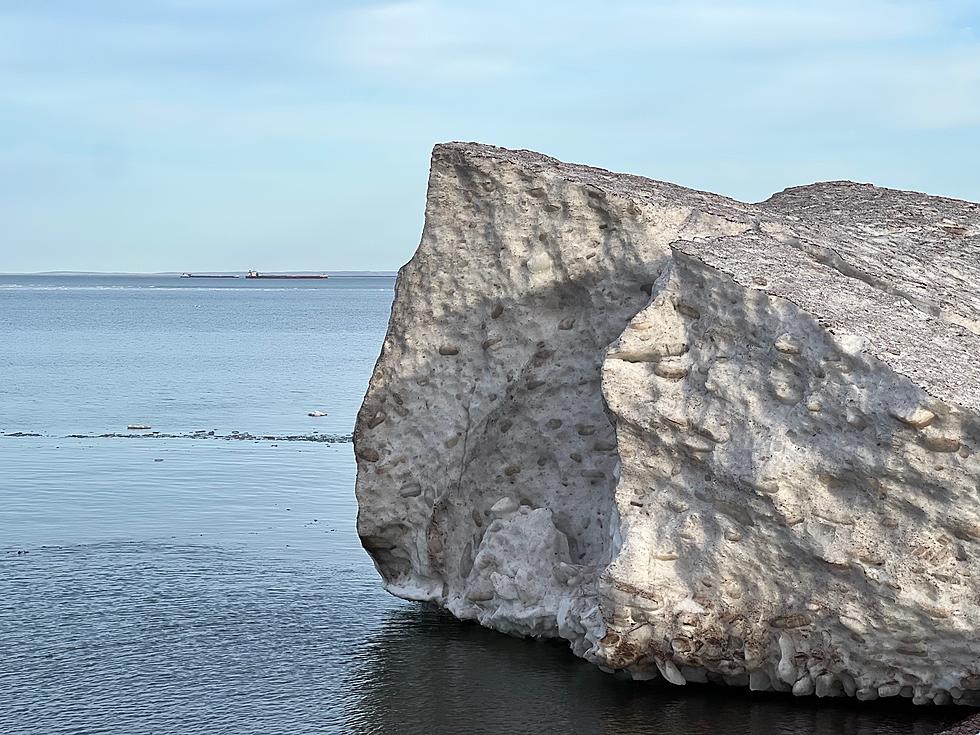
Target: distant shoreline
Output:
[{"x": 176, "y": 274}]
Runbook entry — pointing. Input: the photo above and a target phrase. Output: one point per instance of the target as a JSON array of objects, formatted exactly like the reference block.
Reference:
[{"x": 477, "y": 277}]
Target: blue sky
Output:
[{"x": 292, "y": 134}]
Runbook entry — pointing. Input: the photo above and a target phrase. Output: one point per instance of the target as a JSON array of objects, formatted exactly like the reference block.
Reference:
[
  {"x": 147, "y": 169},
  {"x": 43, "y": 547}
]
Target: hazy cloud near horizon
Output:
[{"x": 226, "y": 134}]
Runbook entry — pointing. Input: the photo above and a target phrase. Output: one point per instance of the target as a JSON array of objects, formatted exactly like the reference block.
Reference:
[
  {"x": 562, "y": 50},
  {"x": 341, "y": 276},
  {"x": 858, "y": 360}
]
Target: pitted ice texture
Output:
[{"x": 698, "y": 439}]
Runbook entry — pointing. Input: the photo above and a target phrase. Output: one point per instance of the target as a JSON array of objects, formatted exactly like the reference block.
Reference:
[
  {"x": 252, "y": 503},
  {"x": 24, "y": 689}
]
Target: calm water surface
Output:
[{"x": 208, "y": 584}]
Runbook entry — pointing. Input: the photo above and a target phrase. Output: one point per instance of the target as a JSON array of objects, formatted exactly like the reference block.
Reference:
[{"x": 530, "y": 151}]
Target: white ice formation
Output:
[{"x": 698, "y": 439}]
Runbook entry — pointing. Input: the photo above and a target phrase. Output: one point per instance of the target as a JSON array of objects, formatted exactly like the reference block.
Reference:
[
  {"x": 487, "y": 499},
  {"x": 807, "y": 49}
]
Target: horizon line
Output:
[{"x": 177, "y": 273}]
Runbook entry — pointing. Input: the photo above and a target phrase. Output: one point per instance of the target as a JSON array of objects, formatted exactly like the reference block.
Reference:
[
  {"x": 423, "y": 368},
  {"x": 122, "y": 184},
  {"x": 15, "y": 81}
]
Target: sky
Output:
[{"x": 171, "y": 135}]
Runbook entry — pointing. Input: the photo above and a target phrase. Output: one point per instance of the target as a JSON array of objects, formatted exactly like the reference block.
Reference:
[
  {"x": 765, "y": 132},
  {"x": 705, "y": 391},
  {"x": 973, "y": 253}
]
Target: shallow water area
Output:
[{"x": 173, "y": 584}]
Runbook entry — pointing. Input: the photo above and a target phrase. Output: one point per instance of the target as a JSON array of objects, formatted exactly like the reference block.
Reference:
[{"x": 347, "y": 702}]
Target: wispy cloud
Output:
[
  {"x": 913, "y": 61},
  {"x": 427, "y": 40},
  {"x": 769, "y": 24}
]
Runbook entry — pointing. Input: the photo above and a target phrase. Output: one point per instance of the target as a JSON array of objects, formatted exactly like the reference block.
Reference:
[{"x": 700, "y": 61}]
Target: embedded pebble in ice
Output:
[{"x": 539, "y": 262}]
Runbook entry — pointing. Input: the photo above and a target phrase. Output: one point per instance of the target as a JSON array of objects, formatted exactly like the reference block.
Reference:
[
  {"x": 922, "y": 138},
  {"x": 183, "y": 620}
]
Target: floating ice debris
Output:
[
  {"x": 316, "y": 437},
  {"x": 316, "y": 414}
]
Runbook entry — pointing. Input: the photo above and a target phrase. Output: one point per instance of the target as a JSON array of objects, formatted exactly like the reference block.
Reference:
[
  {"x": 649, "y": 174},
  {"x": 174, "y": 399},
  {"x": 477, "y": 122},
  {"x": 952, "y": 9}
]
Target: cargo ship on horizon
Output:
[{"x": 256, "y": 274}]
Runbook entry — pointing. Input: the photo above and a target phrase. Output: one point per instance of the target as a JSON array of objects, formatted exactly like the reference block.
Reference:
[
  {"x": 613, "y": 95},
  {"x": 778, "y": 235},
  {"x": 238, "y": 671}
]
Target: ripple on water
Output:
[{"x": 158, "y": 637}]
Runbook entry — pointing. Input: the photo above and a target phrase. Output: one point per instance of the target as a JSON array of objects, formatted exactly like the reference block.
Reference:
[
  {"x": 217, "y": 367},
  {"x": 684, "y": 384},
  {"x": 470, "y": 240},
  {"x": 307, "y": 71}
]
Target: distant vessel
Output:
[
  {"x": 256, "y": 274},
  {"x": 196, "y": 275}
]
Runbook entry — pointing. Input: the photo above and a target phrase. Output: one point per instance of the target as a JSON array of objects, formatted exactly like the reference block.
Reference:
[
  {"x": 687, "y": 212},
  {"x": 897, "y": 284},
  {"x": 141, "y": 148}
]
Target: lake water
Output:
[{"x": 188, "y": 582}]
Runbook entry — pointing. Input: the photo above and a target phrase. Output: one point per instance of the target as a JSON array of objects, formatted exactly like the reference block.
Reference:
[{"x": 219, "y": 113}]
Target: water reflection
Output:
[{"x": 426, "y": 673}]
